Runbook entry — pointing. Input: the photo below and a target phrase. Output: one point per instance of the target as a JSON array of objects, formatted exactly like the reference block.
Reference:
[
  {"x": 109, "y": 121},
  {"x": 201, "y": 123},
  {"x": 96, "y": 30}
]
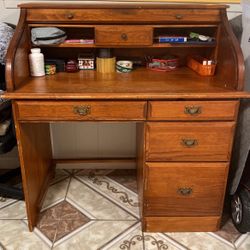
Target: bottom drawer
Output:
[
  {"x": 185, "y": 189},
  {"x": 181, "y": 224}
]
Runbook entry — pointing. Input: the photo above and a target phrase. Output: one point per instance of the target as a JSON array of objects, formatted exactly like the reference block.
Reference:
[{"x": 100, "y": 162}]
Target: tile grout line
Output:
[{"x": 221, "y": 239}]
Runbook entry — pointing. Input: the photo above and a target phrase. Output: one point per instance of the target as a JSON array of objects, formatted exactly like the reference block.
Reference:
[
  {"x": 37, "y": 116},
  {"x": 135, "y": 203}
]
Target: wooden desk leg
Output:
[
  {"x": 35, "y": 156},
  {"x": 140, "y": 145}
]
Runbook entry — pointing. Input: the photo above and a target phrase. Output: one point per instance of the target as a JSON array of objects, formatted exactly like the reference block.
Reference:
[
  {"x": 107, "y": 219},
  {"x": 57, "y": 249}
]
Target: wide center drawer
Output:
[
  {"x": 189, "y": 141},
  {"x": 123, "y": 35},
  {"x": 193, "y": 110},
  {"x": 123, "y": 15},
  {"x": 80, "y": 110},
  {"x": 174, "y": 189}
]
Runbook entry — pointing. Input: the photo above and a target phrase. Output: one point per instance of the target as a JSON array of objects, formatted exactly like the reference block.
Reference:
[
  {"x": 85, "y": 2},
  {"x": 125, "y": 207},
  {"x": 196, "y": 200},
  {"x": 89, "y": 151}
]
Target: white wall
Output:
[{"x": 79, "y": 140}]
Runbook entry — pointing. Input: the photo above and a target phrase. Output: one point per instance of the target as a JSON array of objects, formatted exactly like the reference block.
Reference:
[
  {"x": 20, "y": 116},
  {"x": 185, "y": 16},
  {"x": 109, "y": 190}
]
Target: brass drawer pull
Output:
[
  {"x": 124, "y": 36},
  {"x": 82, "y": 110},
  {"x": 178, "y": 16},
  {"x": 185, "y": 191},
  {"x": 192, "y": 110},
  {"x": 70, "y": 15},
  {"x": 189, "y": 142}
]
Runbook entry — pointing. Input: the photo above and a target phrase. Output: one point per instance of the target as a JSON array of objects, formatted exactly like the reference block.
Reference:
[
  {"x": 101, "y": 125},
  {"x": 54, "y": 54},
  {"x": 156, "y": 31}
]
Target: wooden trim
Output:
[
  {"x": 124, "y": 4},
  {"x": 95, "y": 160},
  {"x": 126, "y": 96},
  {"x": 14, "y": 44},
  {"x": 238, "y": 55},
  {"x": 182, "y": 224}
]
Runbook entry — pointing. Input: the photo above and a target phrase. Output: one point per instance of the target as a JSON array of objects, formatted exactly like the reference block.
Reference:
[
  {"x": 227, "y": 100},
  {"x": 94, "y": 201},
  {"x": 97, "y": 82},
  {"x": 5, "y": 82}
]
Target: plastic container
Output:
[
  {"x": 197, "y": 65},
  {"x": 36, "y": 60}
]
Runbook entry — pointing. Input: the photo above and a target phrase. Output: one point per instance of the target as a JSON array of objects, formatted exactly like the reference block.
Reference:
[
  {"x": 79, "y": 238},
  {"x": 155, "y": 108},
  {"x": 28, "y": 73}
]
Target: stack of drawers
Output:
[{"x": 188, "y": 147}]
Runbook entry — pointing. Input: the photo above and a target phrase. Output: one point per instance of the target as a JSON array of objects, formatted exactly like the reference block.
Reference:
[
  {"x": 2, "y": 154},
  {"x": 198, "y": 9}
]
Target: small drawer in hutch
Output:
[{"x": 123, "y": 35}]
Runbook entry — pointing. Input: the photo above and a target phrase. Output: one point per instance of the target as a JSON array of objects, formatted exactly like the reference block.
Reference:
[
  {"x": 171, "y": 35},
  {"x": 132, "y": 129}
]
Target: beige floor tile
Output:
[
  {"x": 94, "y": 236},
  {"x": 14, "y": 211},
  {"x": 246, "y": 244},
  {"x": 56, "y": 193},
  {"x": 60, "y": 175},
  {"x": 115, "y": 191},
  {"x": 156, "y": 241},
  {"x": 130, "y": 239},
  {"x": 199, "y": 241},
  {"x": 5, "y": 202},
  {"x": 95, "y": 204},
  {"x": 15, "y": 236}
]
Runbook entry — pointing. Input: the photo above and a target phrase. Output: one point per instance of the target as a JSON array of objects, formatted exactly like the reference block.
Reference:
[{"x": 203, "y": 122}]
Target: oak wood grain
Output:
[
  {"x": 204, "y": 182},
  {"x": 193, "y": 110},
  {"x": 182, "y": 224},
  {"x": 74, "y": 110},
  {"x": 123, "y": 35},
  {"x": 127, "y": 15},
  {"x": 210, "y": 141},
  {"x": 35, "y": 154},
  {"x": 140, "y": 83}
]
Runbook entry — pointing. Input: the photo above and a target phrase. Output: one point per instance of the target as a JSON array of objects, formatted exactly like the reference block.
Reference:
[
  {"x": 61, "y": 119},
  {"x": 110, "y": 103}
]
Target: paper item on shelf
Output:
[
  {"x": 172, "y": 39},
  {"x": 83, "y": 41}
]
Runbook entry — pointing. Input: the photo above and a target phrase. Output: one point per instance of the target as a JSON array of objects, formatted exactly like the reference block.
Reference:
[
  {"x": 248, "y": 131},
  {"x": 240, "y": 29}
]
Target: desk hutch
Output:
[{"x": 185, "y": 122}]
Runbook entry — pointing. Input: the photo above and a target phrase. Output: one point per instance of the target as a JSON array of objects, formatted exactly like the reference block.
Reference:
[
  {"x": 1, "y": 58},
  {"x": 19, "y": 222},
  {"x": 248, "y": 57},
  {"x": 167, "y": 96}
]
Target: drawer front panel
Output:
[
  {"x": 78, "y": 110},
  {"x": 175, "y": 189},
  {"x": 192, "y": 141},
  {"x": 127, "y": 15},
  {"x": 123, "y": 35},
  {"x": 193, "y": 110}
]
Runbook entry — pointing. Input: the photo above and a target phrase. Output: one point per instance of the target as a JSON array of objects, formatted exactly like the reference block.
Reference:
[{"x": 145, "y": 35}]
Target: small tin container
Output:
[
  {"x": 50, "y": 69},
  {"x": 86, "y": 61},
  {"x": 71, "y": 66}
]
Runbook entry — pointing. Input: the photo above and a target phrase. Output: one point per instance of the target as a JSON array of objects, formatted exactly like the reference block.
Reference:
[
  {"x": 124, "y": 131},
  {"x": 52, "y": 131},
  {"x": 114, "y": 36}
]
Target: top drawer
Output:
[
  {"x": 123, "y": 15},
  {"x": 193, "y": 110},
  {"x": 80, "y": 110}
]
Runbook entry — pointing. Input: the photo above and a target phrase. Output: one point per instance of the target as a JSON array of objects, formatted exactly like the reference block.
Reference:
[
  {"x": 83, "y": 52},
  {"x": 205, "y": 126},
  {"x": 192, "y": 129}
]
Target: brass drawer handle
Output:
[
  {"x": 70, "y": 15},
  {"x": 82, "y": 110},
  {"x": 192, "y": 110},
  {"x": 189, "y": 142},
  {"x": 178, "y": 16},
  {"x": 124, "y": 36},
  {"x": 185, "y": 191}
]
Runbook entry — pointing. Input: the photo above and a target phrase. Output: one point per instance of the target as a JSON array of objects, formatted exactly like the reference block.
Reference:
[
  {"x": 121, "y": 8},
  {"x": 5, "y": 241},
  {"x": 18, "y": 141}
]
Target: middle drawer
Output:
[{"x": 189, "y": 141}]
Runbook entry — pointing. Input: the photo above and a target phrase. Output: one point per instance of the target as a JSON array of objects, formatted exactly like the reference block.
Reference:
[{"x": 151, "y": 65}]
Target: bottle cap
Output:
[{"x": 35, "y": 50}]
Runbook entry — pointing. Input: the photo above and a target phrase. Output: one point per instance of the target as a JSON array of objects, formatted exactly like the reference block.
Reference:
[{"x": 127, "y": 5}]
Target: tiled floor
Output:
[{"x": 90, "y": 210}]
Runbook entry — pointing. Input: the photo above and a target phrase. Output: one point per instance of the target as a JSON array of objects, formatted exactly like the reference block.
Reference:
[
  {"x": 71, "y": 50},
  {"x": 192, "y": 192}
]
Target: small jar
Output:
[{"x": 36, "y": 60}]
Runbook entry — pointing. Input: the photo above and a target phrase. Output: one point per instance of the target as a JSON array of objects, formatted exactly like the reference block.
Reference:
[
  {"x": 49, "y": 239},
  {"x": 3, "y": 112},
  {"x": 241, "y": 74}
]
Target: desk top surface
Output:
[{"x": 139, "y": 84}]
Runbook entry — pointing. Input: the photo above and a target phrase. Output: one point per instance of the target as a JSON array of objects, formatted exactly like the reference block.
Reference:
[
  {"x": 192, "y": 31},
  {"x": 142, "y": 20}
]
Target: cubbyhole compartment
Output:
[
  {"x": 181, "y": 35},
  {"x": 77, "y": 36}
]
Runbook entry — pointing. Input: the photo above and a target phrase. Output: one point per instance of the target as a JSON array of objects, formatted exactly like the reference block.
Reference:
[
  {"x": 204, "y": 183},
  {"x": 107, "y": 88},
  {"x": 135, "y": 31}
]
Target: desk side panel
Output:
[
  {"x": 17, "y": 65},
  {"x": 35, "y": 155},
  {"x": 230, "y": 66}
]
